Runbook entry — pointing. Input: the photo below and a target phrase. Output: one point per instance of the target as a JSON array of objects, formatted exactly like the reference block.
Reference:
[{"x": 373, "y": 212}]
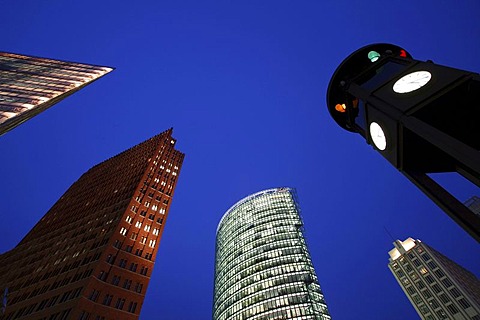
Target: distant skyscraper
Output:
[
  {"x": 30, "y": 85},
  {"x": 437, "y": 287},
  {"x": 263, "y": 268},
  {"x": 473, "y": 204},
  {"x": 92, "y": 254}
]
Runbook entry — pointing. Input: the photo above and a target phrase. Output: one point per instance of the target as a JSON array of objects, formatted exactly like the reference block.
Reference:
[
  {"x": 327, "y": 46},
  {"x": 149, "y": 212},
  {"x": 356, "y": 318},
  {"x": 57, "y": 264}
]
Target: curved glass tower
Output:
[{"x": 262, "y": 266}]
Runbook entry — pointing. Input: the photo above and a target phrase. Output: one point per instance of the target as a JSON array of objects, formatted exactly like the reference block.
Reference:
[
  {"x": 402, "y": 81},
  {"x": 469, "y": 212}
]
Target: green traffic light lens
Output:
[{"x": 373, "y": 56}]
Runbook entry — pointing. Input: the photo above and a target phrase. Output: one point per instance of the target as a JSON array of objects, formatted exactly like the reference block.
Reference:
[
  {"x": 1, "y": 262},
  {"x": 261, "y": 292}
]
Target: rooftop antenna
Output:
[{"x": 388, "y": 232}]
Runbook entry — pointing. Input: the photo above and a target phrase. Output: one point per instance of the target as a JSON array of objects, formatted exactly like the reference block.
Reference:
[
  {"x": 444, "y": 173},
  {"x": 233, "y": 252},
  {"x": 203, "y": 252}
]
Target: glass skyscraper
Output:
[
  {"x": 263, "y": 269},
  {"x": 30, "y": 85}
]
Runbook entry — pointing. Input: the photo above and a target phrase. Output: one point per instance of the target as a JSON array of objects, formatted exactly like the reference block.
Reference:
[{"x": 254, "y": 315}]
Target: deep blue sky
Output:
[{"x": 243, "y": 84}]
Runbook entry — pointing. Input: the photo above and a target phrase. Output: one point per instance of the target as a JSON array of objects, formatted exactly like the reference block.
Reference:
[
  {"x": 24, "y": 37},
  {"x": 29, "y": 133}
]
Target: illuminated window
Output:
[
  {"x": 123, "y": 231},
  {"x": 152, "y": 243}
]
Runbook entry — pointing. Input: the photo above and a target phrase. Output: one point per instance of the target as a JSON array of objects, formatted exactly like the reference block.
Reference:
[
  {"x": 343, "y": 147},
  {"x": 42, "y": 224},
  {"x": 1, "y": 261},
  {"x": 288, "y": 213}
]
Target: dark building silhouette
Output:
[
  {"x": 92, "y": 254},
  {"x": 420, "y": 116},
  {"x": 30, "y": 85}
]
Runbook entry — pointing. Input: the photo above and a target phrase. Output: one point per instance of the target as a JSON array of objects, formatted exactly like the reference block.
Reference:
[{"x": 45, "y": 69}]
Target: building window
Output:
[
  {"x": 433, "y": 304},
  {"x": 408, "y": 267},
  {"x": 94, "y": 295},
  {"x": 134, "y": 236},
  {"x": 120, "y": 303},
  {"x": 436, "y": 288},
  {"x": 143, "y": 213},
  {"x": 452, "y": 309},
  {"x": 138, "y": 224},
  {"x": 417, "y": 299},
  {"x": 102, "y": 276},
  {"x": 151, "y": 217},
  {"x": 132, "y": 307},
  {"x": 424, "y": 309},
  {"x": 156, "y": 231},
  {"x": 144, "y": 270},
  {"x": 439, "y": 273},
  {"x": 139, "y": 287},
  {"x": 152, "y": 243},
  {"x": 429, "y": 279},
  {"x": 128, "y": 219},
  {"x": 148, "y": 256},
  {"x": 110, "y": 259},
  {"x": 123, "y": 263},
  {"x": 128, "y": 248},
  {"x": 441, "y": 314},
  {"x": 464, "y": 303},
  {"x": 123, "y": 231},
  {"x": 143, "y": 240},
  {"x": 420, "y": 284},
  {"x": 127, "y": 284},
  {"x": 133, "y": 266},
  {"x": 107, "y": 300},
  {"x": 425, "y": 256},
  {"x": 115, "y": 280},
  {"x": 426, "y": 294},
  {"x": 410, "y": 290},
  {"x": 147, "y": 227},
  {"x": 444, "y": 298},
  {"x": 447, "y": 283},
  {"x": 455, "y": 292}
]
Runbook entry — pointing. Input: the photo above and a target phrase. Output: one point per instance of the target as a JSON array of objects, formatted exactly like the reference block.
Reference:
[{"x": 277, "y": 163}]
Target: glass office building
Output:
[
  {"x": 263, "y": 269},
  {"x": 30, "y": 85}
]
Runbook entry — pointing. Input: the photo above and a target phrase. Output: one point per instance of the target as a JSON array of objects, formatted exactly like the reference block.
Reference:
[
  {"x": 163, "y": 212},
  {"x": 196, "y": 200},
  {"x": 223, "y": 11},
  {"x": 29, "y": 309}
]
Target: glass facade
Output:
[
  {"x": 263, "y": 269},
  {"x": 29, "y": 85}
]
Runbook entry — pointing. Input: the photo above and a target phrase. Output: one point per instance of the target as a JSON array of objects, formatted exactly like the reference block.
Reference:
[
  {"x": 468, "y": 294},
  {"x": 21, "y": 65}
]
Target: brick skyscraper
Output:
[
  {"x": 30, "y": 85},
  {"x": 92, "y": 254}
]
